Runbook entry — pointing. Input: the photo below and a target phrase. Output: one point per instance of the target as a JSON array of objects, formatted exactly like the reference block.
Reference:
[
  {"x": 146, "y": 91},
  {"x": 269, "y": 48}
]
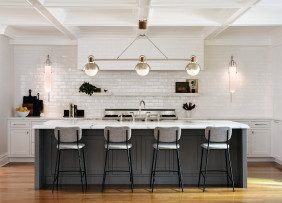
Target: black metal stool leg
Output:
[
  {"x": 130, "y": 169},
  {"x": 179, "y": 170},
  {"x": 105, "y": 173},
  {"x": 152, "y": 167},
  {"x": 131, "y": 174},
  {"x": 231, "y": 171},
  {"x": 55, "y": 172},
  {"x": 84, "y": 166},
  {"x": 58, "y": 169},
  {"x": 201, "y": 164},
  {"x": 154, "y": 171},
  {"x": 80, "y": 169},
  {"x": 206, "y": 168},
  {"x": 226, "y": 167}
]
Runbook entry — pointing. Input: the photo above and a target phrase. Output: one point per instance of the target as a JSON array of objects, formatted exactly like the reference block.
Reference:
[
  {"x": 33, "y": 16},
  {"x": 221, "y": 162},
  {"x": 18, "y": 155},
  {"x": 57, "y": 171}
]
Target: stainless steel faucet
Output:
[{"x": 140, "y": 106}]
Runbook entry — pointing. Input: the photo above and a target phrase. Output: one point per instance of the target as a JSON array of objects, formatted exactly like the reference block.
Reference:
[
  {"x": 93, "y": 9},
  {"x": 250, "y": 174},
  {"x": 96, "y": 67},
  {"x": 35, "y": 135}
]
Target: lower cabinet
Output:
[
  {"x": 21, "y": 138},
  {"x": 259, "y": 138},
  {"x": 277, "y": 140},
  {"x": 20, "y": 142}
]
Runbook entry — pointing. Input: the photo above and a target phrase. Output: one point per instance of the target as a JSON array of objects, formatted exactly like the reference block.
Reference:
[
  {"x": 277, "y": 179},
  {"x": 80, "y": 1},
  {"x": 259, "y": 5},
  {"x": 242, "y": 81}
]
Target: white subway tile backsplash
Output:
[{"x": 252, "y": 99}]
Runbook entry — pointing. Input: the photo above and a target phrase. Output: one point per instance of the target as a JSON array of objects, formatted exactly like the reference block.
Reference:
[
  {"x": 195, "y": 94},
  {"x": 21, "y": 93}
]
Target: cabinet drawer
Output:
[{"x": 20, "y": 124}]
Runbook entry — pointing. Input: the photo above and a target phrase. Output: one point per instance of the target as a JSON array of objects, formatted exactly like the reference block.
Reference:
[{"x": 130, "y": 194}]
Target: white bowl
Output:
[{"x": 22, "y": 114}]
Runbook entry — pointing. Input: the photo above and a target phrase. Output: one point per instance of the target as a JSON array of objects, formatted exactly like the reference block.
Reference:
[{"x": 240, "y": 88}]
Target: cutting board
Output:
[{"x": 29, "y": 99}]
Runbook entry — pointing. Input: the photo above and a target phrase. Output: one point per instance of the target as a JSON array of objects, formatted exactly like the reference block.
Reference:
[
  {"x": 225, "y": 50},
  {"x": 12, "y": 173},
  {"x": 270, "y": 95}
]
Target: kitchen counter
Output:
[
  {"x": 101, "y": 124},
  {"x": 142, "y": 139}
]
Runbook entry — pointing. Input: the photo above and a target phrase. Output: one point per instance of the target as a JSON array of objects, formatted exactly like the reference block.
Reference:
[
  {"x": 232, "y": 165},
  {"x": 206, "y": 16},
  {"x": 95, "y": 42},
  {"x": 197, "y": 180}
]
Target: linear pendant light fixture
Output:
[{"x": 143, "y": 68}]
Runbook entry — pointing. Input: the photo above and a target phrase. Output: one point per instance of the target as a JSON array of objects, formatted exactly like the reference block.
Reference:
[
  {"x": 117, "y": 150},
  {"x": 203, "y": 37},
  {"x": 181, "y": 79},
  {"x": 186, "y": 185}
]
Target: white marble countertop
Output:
[{"x": 101, "y": 124}]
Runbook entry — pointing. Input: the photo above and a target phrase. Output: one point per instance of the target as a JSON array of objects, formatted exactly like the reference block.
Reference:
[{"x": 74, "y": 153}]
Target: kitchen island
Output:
[{"x": 142, "y": 152}]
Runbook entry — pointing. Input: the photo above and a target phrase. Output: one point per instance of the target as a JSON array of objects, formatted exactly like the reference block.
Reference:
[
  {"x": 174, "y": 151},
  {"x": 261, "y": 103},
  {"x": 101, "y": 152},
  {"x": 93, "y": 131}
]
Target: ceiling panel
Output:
[
  {"x": 260, "y": 16},
  {"x": 10, "y": 15},
  {"x": 77, "y": 16},
  {"x": 187, "y": 17},
  {"x": 199, "y": 3}
]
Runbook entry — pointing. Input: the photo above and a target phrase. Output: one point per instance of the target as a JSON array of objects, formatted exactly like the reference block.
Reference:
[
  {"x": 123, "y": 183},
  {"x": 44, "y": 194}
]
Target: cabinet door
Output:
[
  {"x": 20, "y": 142},
  {"x": 261, "y": 143}
]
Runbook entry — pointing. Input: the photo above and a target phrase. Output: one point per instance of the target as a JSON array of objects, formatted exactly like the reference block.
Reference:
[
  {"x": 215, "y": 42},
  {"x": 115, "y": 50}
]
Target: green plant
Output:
[{"x": 87, "y": 88}]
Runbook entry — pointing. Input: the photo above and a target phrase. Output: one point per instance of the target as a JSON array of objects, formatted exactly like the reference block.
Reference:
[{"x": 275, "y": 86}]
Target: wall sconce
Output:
[
  {"x": 48, "y": 76},
  {"x": 232, "y": 71}
]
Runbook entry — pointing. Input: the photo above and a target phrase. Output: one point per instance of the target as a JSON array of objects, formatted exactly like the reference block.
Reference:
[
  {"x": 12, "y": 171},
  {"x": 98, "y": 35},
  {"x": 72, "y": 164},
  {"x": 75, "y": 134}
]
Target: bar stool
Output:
[
  {"x": 117, "y": 139},
  {"x": 68, "y": 139},
  {"x": 167, "y": 139},
  {"x": 218, "y": 139}
]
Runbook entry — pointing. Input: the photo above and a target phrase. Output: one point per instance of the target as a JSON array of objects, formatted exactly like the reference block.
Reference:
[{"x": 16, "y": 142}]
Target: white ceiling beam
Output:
[
  {"x": 228, "y": 22},
  {"x": 51, "y": 18}
]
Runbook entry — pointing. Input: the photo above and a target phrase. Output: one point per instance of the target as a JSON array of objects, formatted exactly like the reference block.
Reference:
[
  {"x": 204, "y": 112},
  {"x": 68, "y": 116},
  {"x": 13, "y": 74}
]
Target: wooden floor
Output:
[{"x": 16, "y": 185}]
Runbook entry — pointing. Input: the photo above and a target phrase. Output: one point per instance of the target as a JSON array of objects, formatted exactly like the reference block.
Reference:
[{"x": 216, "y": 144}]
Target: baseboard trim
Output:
[
  {"x": 261, "y": 159},
  {"x": 21, "y": 159},
  {"x": 4, "y": 159}
]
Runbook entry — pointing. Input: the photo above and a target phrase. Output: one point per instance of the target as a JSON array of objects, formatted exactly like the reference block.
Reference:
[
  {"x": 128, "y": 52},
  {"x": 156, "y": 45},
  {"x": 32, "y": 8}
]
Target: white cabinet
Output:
[
  {"x": 277, "y": 140},
  {"x": 20, "y": 142},
  {"x": 21, "y": 138},
  {"x": 259, "y": 138}
]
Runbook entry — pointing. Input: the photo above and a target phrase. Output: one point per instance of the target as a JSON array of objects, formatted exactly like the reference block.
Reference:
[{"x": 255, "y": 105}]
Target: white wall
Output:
[
  {"x": 253, "y": 98},
  {"x": 6, "y": 92}
]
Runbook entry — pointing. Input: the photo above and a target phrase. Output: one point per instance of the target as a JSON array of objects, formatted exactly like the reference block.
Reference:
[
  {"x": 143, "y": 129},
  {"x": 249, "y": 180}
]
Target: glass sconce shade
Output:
[
  {"x": 232, "y": 70},
  {"x": 193, "y": 68},
  {"x": 142, "y": 68},
  {"x": 91, "y": 68},
  {"x": 48, "y": 75}
]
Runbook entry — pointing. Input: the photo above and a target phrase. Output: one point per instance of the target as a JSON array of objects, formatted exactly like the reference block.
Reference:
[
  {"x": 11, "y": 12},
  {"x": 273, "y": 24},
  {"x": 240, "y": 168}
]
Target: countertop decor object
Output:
[
  {"x": 91, "y": 68},
  {"x": 188, "y": 107},
  {"x": 22, "y": 111},
  {"x": 88, "y": 88}
]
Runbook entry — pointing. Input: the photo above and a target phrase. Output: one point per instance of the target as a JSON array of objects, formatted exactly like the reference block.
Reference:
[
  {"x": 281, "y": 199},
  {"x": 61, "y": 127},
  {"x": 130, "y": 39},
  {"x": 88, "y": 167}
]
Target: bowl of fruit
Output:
[{"x": 22, "y": 111}]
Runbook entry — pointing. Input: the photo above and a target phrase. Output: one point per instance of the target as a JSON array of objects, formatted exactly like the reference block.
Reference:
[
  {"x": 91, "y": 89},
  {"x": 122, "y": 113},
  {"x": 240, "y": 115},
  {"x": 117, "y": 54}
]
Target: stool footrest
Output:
[{"x": 107, "y": 171}]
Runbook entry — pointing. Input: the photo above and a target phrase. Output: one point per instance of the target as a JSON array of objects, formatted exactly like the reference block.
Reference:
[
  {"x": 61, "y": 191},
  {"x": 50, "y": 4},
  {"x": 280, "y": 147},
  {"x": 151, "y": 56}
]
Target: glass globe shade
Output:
[
  {"x": 91, "y": 69},
  {"x": 142, "y": 68},
  {"x": 192, "y": 68}
]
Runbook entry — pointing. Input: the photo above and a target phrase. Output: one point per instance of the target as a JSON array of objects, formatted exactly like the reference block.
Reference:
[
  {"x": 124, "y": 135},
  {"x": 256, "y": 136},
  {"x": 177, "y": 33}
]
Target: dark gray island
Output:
[{"x": 142, "y": 152}]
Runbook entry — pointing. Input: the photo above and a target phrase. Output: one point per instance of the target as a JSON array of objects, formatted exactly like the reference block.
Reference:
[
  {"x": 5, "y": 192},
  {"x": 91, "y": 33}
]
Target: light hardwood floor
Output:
[{"x": 16, "y": 185}]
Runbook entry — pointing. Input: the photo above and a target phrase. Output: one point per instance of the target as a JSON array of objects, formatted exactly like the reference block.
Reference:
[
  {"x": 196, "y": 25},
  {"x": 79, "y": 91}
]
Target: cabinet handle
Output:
[
  {"x": 27, "y": 132},
  {"x": 19, "y": 124},
  {"x": 260, "y": 124}
]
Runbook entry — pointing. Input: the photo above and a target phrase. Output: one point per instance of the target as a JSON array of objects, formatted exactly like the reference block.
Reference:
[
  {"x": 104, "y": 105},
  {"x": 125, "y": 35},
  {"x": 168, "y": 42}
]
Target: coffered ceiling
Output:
[{"x": 73, "y": 19}]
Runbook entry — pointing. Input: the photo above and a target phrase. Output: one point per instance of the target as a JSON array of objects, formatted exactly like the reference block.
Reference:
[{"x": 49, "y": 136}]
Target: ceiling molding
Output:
[
  {"x": 216, "y": 31},
  {"x": 239, "y": 42},
  {"x": 51, "y": 18},
  {"x": 8, "y": 31}
]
